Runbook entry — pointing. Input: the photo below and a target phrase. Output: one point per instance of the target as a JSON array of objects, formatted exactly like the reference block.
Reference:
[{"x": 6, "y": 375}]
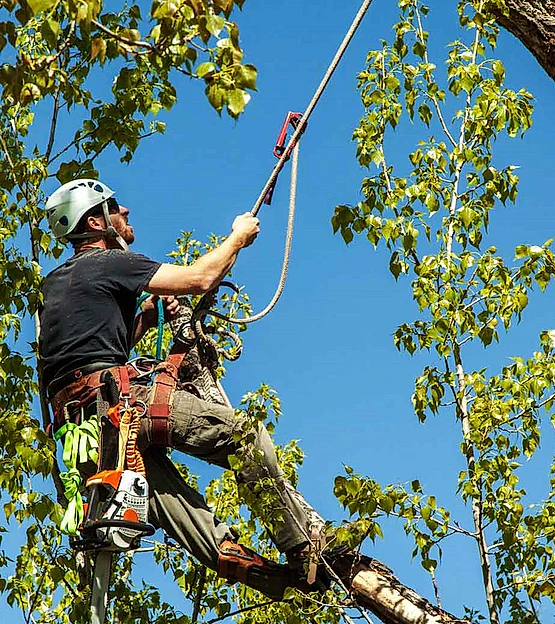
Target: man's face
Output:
[{"x": 120, "y": 222}]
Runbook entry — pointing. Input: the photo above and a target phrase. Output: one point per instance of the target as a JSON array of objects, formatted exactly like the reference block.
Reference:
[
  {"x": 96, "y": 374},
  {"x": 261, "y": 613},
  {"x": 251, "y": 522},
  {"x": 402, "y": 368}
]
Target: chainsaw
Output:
[{"x": 117, "y": 511}]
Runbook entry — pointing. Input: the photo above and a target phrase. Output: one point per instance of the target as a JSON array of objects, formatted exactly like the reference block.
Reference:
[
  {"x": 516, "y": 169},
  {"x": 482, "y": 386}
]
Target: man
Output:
[{"x": 89, "y": 325}]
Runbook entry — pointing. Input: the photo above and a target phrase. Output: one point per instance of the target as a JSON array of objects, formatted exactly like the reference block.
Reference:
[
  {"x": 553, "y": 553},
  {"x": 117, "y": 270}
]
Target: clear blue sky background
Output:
[{"x": 327, "y": 348}]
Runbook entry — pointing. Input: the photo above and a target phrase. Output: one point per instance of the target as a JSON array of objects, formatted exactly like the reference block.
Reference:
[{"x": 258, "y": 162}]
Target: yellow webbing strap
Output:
[
  {"x": 74, "y": 513},
  {"x": 80, "y": 445}
]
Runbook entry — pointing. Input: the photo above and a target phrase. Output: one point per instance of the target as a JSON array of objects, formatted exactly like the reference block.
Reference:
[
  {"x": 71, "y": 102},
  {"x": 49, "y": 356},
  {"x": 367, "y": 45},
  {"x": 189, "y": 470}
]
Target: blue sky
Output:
[{"x": 328, "y": 348}]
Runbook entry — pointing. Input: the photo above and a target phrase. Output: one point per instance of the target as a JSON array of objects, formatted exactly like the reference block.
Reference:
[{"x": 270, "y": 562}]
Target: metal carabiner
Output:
[
  {"x": 149, "y": 364},
  {"x": 293, "y": 120},
  {"x": 140, "y": 405}
]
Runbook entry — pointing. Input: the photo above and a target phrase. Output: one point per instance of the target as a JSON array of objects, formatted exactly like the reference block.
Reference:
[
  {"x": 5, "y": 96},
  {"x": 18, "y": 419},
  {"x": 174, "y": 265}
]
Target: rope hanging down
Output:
[{"x": 293, "y": 146}]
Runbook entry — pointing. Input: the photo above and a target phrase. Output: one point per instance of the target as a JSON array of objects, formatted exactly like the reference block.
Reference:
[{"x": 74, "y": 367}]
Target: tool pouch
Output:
[{"x": 109, "y": 431}]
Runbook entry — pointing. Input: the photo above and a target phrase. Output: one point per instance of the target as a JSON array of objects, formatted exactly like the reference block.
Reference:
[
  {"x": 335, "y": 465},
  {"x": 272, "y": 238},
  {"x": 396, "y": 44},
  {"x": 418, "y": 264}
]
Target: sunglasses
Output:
[{"x": 113, "y": 206}]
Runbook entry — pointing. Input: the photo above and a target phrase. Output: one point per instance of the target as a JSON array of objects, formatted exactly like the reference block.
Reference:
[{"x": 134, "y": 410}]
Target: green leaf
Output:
[
  {"x": 216, "y": 96},
  {"x": 164, "y": 10},
  {"x": 396, "y": 266},
  {"x": 98, "y": 49},
  {"x": 206, "y": 69},
  {"x": 429, "y": 564},
  {"x": 387, "y": 504},
  {"x": 246, "y": 77},
  {"x": 37, "y": 6},
  {"x": 347, "y": 235},
  {"x": 236, "y": 101},
  {"x": 467, "y": 216},
  {"x": 486, "y": 335},
  {"x": 51, "y": 30},
  {"x": 498, "y": 72},
  {"x": 234, "y": 462},
  {"x": 425, "y": 113},
  {"x": 419, "y": 49},
  {"x": 521, "y": 252},
  {"x": 215, "y": 24}
]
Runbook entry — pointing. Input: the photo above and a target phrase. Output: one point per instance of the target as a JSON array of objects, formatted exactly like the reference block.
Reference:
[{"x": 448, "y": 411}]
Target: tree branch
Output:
[
  {"x": 477, "y": 510},
  {"x": 239, "y": 611},
  {"x": 74, "y": 143},
  {"x": 433, "y": 99},
  {"x": 128, "y": 42},
  {"x": 533, "y": 23},
  {"x": 53, "y": 124}
]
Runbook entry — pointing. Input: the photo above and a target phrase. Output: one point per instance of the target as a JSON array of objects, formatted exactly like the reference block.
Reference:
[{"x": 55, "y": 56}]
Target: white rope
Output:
[
  {"x": 293, "y": 146},
  {"x": 288, "y": 244}
]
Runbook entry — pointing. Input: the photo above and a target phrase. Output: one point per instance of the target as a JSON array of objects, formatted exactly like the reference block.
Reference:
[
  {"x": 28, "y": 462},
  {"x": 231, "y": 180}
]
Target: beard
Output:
[
  {"x": 123, "y": 228},
  {"x": 128, "y": 234}
]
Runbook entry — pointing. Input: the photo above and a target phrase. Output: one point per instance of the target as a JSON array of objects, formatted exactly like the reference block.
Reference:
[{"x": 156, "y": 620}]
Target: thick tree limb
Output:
[
  {"x": 376, "y": 588},
  {"x": 533, "y": 23}
]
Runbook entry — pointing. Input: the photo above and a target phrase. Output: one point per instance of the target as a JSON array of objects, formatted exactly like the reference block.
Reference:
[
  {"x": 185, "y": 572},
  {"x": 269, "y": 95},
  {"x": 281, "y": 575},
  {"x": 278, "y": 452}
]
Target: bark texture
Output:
[
  {"x": 533, "y": 23},
  {"x": 375, "y": 587}
]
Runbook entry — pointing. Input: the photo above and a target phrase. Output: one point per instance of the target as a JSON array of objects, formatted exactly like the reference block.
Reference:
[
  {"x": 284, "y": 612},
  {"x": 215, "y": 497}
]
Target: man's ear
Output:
[{"x": 96, "y": 223}]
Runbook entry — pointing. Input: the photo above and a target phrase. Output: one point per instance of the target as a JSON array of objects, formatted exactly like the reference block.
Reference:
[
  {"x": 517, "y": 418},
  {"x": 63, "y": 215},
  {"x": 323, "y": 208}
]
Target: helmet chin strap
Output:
[
  {"x": 111, "y": 230},
  {"x": 112, "y": 233}
]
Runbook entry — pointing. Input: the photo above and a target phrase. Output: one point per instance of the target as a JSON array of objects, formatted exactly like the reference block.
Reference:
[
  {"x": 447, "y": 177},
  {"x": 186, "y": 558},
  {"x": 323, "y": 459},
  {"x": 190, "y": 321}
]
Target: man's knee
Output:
[{"x": 202, "y": 429}]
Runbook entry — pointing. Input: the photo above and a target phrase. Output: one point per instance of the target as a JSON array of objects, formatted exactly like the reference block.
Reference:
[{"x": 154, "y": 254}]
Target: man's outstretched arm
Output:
[{"x": 209, "y": 270}]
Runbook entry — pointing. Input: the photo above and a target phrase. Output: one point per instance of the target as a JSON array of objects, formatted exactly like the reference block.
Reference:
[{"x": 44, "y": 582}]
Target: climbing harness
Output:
[{"x": 116, "y": 516}]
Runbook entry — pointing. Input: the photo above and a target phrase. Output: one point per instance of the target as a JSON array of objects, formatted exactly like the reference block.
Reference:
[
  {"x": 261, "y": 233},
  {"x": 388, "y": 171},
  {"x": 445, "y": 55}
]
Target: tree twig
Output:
[
  {"x": 53, "y": 124},
  {"x": 128, "y": 42},
  {"x": 432, "y": 98},
  {"x": 198, "y": 596},
  {"x": 239, "y": 611}
]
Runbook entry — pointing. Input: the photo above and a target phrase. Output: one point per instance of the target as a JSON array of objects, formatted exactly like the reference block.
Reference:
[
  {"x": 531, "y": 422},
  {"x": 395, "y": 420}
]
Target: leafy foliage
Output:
[
  {"x": 434, "y": 221},
  {"x": 53, "y": 53}
]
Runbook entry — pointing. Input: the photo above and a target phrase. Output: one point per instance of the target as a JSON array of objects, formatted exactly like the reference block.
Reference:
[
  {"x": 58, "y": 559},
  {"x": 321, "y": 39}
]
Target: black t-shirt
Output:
[{"x": 89, "y": 309}]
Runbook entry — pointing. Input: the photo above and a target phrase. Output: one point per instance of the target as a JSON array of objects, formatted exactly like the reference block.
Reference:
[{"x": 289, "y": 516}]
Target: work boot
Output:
[{"x": 236, "y": 563}]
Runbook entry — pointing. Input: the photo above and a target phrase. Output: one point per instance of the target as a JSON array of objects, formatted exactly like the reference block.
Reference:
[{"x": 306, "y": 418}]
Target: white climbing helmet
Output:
[
  {"x": 66, "y": 206},
  {"x": 71, "y": 201}
]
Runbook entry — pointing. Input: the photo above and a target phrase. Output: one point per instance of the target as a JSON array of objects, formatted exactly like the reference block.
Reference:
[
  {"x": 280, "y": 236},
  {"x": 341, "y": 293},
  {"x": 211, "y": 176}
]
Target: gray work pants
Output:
[{"x": 205, "y": 430}]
